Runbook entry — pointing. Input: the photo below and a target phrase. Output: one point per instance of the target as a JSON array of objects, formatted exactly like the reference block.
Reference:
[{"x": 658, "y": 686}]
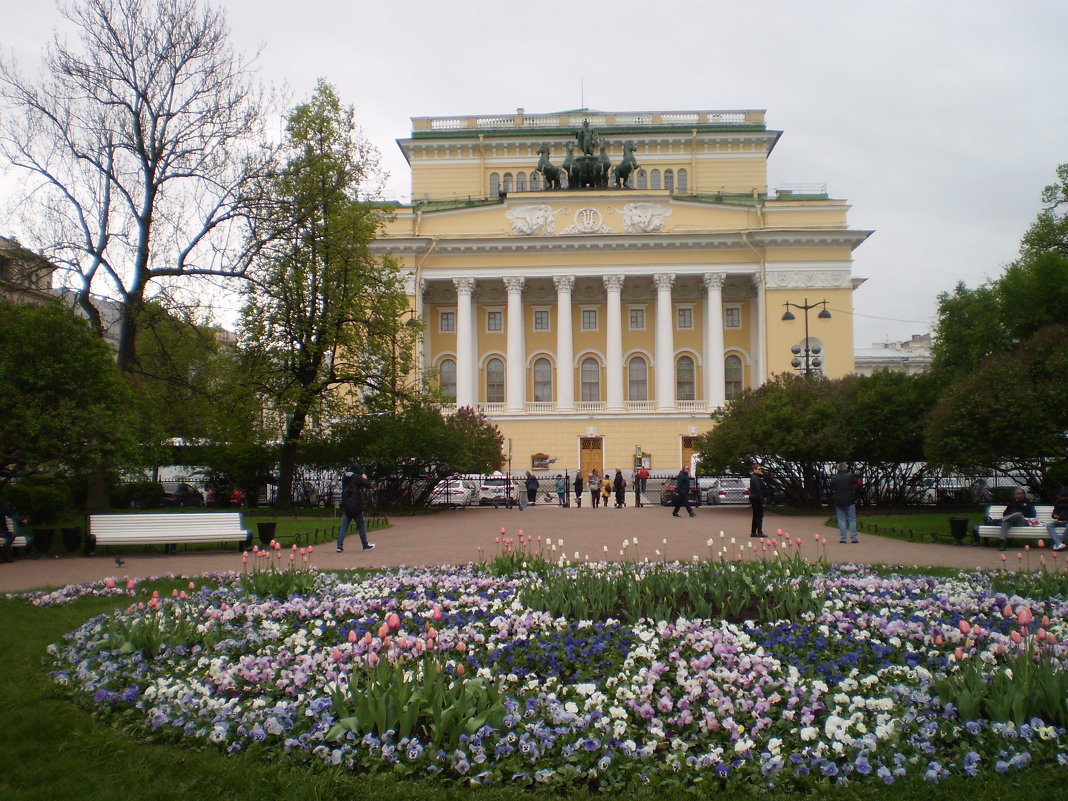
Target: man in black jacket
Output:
[
  {"x": 682, "y": 492},
  {"x": 353, "y": 483},
  {"x": 843, "y": 488},
  {"x": 1018, "y": 512},
  {"x": 757, "y": 494}
]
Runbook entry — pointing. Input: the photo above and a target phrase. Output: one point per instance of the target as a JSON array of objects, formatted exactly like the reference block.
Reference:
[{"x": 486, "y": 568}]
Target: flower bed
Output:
[{"x": 446, "y": 672}]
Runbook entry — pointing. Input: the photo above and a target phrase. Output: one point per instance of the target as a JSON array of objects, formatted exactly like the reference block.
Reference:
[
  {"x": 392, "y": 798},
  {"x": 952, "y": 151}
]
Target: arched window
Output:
[
  {"x": 520, "y": 182},
  {"x": 683, "y": 180},
  {"x": 543, "y": 381},
  {"x": 591, "y": 379},
  {"x": 495, "y": 184},
  {"x": 447, "y": 380},
  {"x": 684, "y": 379},
  {"x": 638, "y": 379},
  {"x": 654, "y": 179},
  {"x": 495, "y": 381},
  {"x": 669, "y": 180},
  {"x": 643, "y": 180},
  {"x": 535, "y": 183},
  {"x": 507, "y": 182},
  {"x": 732, "y": 372}
]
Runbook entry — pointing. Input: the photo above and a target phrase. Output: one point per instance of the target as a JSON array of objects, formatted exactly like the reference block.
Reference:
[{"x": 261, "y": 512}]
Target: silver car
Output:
[
  {"x": 453, "y": 492},
  {"x": 729, "y": 489}
]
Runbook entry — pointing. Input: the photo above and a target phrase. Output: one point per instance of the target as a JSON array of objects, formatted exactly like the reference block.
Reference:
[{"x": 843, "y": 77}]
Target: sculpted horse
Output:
[
  {"x": 604, "y": 165},
  {"x": 550, "y": 173},
  {"x": 569, "y": 162},
  {"x": 621, "y": 172}
]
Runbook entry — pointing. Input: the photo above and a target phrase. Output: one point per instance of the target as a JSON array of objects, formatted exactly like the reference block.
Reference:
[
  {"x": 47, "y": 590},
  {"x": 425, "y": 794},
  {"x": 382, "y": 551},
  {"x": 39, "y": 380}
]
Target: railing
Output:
[
  {"x": 641, "y": 406},
  {"x": 540, "y": 407},
  {"x": 589, "y": 406},
  {"x": 582, "y": 407},
  {"x": 650, "y": 119},
  {"x": 691, "y": 406}
]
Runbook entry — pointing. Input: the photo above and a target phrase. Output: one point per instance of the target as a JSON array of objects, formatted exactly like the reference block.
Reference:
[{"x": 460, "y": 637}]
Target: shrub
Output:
[{"x": 40, "y": 499}]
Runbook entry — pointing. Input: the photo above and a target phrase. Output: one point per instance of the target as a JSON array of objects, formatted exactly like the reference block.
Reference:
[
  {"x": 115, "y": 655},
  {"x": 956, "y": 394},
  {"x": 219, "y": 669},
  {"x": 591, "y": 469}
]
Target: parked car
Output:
[
  {"x": 729, "y": 489},
  {"x": 668, "y": 497},
  {"x": 182, "y": 495},
  {"x": 453, "y": 492},
  {"x": 496, "y": 490}
]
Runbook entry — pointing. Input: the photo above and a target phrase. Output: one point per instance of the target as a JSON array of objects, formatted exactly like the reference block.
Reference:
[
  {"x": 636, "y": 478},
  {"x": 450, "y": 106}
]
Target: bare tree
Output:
[{"x": 137, "y": 149}]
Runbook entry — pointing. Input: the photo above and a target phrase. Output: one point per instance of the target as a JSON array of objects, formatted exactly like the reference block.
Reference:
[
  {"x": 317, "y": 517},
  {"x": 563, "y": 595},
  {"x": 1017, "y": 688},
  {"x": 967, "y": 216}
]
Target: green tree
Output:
[
  {"x": 64, "y": 407},
  {"x": 1008, "y": 414},
  {"x": 138, "y": 148},
  {"x": 411, "y": 450},
  {"x": 322, "y": 312}
]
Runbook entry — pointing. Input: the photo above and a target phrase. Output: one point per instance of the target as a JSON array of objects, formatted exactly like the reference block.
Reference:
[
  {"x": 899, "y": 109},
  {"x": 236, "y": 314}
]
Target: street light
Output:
[{"x": 812, "y": 360}]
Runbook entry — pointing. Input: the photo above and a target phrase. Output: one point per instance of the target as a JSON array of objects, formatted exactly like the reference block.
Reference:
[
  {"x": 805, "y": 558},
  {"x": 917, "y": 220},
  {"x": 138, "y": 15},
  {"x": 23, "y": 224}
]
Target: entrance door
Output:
[
  {"x": 590, "y": 458},
  {"x": 688, "y": 450}
]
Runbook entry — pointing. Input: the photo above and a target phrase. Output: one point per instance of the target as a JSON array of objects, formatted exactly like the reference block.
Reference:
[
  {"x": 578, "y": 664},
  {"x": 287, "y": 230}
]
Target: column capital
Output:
[
  {"x": 613, "y": 283},
  {"x": 515, "y": 283},
  {"x": 664, "y": 280},
  {"x": 464, "y": 286},
  {"x": 564, "y": 283},
  {"x": 758, "y": 280},
  {"x": 714, "y": 280}
]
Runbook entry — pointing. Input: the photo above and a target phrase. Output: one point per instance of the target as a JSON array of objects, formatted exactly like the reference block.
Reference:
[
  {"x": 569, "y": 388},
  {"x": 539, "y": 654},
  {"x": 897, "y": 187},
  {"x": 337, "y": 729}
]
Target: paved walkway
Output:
[{"x": 454, "y": 536}]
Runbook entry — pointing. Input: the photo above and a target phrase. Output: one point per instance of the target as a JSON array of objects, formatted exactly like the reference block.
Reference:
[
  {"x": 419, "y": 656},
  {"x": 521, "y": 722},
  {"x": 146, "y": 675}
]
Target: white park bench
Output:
[
  {"x": 989, "y": 531},
  {"x": 21, "y": 540},
  {"x": 166, "y": 529}
]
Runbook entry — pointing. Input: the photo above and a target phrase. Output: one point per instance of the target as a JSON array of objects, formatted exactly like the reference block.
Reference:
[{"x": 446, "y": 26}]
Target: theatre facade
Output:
[{"x": 599, "y": 283}]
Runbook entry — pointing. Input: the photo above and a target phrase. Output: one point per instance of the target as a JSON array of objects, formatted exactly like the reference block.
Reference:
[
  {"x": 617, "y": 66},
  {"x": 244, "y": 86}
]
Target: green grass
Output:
[
  {"x": 911, "y": 526},
  {"x": 54, "y": 748}
]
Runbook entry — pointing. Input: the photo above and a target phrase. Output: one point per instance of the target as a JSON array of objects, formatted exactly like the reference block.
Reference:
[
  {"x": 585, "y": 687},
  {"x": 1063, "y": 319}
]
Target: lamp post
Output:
[{"x": 811, "y": 354}]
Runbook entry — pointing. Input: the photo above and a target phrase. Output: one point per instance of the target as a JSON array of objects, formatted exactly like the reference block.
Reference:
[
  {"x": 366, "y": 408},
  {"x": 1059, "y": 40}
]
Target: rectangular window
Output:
[
  {"x": 541, "y": 319},
  {"x": 637, "y": 319},
  {"x": 589, "y": 319},
  {"x": 494, "y": 320},
  {"x": 685, "y": 318},
  {"x": 732, "y": 317},
  {"x": 447, "y": 322}
]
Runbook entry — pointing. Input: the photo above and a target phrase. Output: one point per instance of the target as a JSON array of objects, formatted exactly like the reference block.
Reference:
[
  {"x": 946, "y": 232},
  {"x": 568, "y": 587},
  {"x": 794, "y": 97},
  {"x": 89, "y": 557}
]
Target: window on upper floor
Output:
[
  {"x": 637, "y": 319},
  {"x": 520, "y": 182},
  {"x": 543, "y": 381},
  {"x": 684, "y": 379},
  {"x": 589, "y": 319},
  {"x": 643, "y": 179},
  {"x": 654, "y": 179},
  {"x": 447, "y": 322},
  {"x": 591, "y": 379},
  {"x": 495, "y": 381},
  {"x": 541, "y": 319},
  {"x": 669, "y": 180},
  {"x": 683, "y": 180},
  {"x": 732, "y": 374},
  {"x": 495, "y": 184},
  {"x": 494, "y": 320},
  {"x": 684, "y": 318},
  {"x": 535, "y": 182},
  {"x": 447, "y": 380},
  {"x": 732, "y": 317},
  {"x": 638, "y": 379},
  {"x": 507, "y": 182}
]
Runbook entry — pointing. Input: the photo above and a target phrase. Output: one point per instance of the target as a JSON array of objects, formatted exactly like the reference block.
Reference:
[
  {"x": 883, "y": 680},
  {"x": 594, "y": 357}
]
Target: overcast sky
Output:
[{"x": 939, "y": 121}]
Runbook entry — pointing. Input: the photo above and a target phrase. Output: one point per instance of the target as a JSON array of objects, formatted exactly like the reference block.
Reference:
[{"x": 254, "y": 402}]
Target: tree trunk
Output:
[{"x": 287, "y": 461}]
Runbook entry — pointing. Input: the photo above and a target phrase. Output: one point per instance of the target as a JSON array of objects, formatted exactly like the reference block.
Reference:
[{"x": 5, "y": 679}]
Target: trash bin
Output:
[
  {"x": 266, "y": 532},
  {"x": 42, "y": 539},
  {"x": 72, "y": 538},
  {"x": 958, "y": 529}
]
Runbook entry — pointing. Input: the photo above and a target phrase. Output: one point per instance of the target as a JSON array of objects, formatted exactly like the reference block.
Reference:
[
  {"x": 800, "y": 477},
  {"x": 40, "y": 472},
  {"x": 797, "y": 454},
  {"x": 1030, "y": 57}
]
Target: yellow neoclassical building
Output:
[{"x": 598, "y": 283}]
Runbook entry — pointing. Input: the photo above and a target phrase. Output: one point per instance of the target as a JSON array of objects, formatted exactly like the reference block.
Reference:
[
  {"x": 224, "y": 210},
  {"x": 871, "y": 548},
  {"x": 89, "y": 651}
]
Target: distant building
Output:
[
  {"x": 910, "y": 357},
  {"x": 25, "y": 277}
]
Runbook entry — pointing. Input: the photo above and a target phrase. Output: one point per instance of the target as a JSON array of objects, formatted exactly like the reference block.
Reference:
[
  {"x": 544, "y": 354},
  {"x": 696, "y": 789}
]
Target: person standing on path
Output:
[
  {"x": 619, "y": 485},
  {"x": 844, "y": 486},
  {"x": 682, "y": 492},
  {"x": 579, "y": 486},
  {"x": 561, "y": 489},
  {"x": 595, "y": 487},
  {"x": 353, "y": 483},
  {"x": 757, "y": 495},
  {"x": 606, "y": 490}
]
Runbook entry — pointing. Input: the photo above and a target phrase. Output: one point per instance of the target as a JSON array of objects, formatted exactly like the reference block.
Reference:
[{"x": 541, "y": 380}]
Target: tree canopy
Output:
[
  {"x": 138, "y": 147},
  {"x": 64, "y": 407},
  {"x": 322, "y": 312}
]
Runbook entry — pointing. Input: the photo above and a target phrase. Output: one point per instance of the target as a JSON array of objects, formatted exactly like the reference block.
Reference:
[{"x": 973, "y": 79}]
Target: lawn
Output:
[{"x": 817, "y": 682}]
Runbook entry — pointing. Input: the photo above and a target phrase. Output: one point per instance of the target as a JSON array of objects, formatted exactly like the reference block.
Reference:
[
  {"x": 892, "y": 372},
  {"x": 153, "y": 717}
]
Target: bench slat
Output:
[{"x": 167, "y": 529}]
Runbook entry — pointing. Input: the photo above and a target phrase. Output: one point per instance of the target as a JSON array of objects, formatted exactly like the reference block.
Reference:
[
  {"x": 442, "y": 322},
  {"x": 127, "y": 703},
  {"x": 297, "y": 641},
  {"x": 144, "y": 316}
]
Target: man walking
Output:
[
  {"x": 757, "y": 494},
  {"x": 843, "y": 495},
  {"x": 682, "y": 492},
  {"x": 353, "y": 483}
]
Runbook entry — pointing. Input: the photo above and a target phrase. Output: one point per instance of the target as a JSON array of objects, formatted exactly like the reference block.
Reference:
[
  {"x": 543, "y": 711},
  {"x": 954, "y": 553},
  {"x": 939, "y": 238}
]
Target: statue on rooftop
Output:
[
  {"x": 587, "y": 138},
  {"x": 549, "y": 172}
]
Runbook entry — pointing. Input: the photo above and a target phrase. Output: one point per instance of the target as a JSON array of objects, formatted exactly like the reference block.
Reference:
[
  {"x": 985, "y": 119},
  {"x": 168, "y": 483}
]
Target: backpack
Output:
[{"x": 352, "y": 497}]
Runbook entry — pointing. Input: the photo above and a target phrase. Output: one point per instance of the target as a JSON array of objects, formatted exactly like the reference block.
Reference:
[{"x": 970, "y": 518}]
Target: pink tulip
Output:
[
  {"x": 383, "y": 631},
  {"x": 938, "y": 640},
  {"x": 958, "y": 654},
  {"x": 964, "y": 626},
  {"x": 1041, "y": 543},
  {"x": 502, "y": 531},
  {"x": 1041, "y": 634},
  {"x": 1015, "y": 637},
  {"x": 461, "y": 646},
  {"x": 1024, "y": 616},
  {"x": 255, "y": 548},
  {"x": 460, "y": 670},
  {"x": 294, "y": 546},
  {"x": 372, "y": 659},
  {"x": 352, "y": 635},
  {"x": 182, "y": 595},
  {"x": 109, "y": 583},
  {"x": 311, "y": 549},
  {"x": 174, "y": 593},
  {"x": 335, "y": 654},
  {"x": 1003, "y": 557},
  {"x": 244, "y": 560},
  {"x": 778, "y": 531},
  {"x": 431, "y": 632},
  {"x": 367, "y": 638},
  {"x": 1045, "y": 621},
  {"x": 436, "y": 614},
  {"x": 393, "y": 620},
  {"x": 1027, "y": 548},
  {"x": 1051, "y": 638},
  {"x": 192, "y": 586},
  {"x": 130, "y": 584}
]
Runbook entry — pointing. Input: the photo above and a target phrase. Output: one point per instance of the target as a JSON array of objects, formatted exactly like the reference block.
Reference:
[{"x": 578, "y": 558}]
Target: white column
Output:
[
  {"x": 515, "y": 390},
  {"x": 466, "y": 390},
  {"x": 565, "y": 344},
  {"x": 613, "y": 356},
  {"x": 715, "y": 384},
  {"x": 760, "y": 333},
  {"x": 665, "y": 342}
]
